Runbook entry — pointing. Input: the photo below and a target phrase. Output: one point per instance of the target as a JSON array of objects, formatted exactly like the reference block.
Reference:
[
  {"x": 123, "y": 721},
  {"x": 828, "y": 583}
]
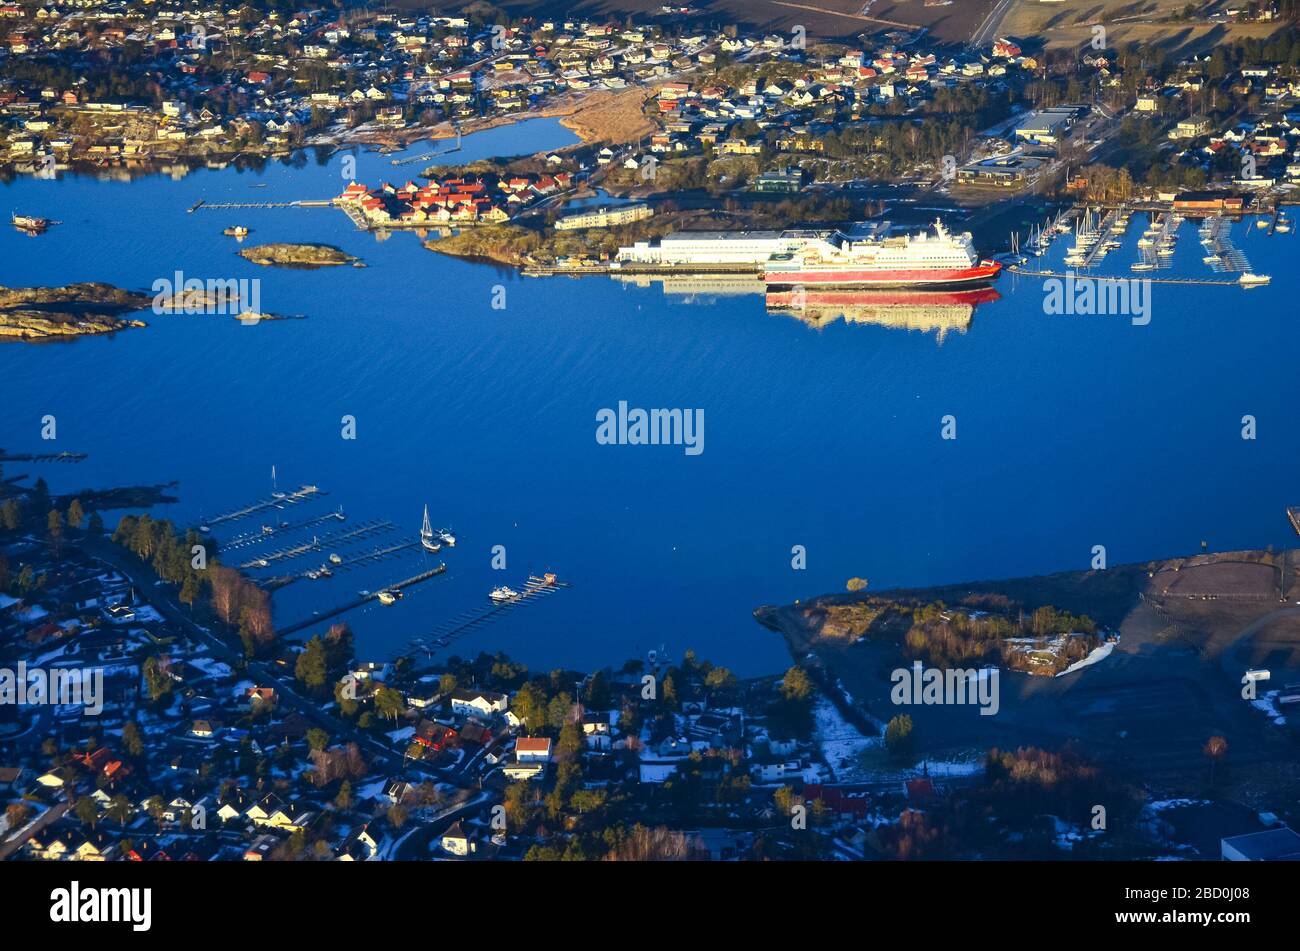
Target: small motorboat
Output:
[{"x": 29, "y": 223}]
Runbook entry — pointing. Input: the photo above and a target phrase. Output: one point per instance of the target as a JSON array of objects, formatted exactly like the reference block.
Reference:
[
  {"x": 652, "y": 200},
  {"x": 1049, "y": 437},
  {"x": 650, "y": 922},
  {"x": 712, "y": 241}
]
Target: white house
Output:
[
  {"x": 481, "y": 702},
  {"x": 456, "y": 841},
  {"x": 523, "y": 771}
]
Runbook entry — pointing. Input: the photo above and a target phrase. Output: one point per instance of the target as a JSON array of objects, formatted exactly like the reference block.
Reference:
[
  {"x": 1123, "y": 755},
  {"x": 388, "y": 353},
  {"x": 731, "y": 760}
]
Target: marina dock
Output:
[
  {"x": 220, "y": 205},
  {"x": 363, "y": 530},
  {"x": 42, "y": 457},
  {"x": 424, "y": 157},
  {"x": 467, "y": 622},
  {"x": 360, "y": 601},
  {"x": 1017, "y": 269},
  {"x": 276, "y": 501},
  {"x": 253, "y": 539}
]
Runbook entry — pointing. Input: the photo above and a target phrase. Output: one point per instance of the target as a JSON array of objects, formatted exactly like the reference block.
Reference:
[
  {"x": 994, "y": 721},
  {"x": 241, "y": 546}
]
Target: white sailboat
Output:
[{"x": 427, "y": 537}]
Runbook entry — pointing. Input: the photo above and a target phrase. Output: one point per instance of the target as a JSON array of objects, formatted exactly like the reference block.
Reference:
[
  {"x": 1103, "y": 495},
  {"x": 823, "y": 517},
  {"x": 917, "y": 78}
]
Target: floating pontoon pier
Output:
[
  {"x": 470, "y": 621},
  {"x": 362, "y": 600},
  {"x": 275, "y": 501}
]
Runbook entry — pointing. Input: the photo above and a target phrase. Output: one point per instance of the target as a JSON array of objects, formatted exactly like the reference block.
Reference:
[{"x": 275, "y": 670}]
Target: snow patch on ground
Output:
[
  {"x": 841, "y": 743},
  {"x": 1268, "y": 703},
  {"x": 211, "y": 666},
  {"x": 1098, "y": 654}
]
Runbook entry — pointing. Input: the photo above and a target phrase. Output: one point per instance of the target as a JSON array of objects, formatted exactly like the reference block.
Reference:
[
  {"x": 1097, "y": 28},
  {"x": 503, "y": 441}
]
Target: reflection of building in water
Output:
[
  {"x": 697, "y": 285},
  {"x": 926, "y": 311}
]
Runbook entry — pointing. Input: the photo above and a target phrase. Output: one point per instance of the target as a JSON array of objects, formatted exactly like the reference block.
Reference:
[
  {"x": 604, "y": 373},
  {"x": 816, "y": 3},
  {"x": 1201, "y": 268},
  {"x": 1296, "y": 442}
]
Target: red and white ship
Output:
[{"x": 926, "y": 259}]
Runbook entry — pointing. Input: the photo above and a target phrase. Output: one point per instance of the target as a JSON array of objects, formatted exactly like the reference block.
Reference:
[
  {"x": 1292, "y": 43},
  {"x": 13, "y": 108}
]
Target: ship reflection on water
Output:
[{"x": 929, "y": 311}]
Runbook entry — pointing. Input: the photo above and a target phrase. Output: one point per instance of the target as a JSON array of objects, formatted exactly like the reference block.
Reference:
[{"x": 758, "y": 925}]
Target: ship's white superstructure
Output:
[{"x": 879, "y": 258}]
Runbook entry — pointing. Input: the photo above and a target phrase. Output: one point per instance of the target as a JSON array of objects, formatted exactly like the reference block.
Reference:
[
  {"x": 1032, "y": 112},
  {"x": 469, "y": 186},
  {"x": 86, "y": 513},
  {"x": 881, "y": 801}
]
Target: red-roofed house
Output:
[{"x": 533, "y": 749}]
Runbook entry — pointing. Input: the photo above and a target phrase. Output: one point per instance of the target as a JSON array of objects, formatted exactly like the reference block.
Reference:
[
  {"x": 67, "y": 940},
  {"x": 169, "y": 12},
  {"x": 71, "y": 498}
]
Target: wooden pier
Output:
[
  {"x": 364, "y": 530},
  {"x": 424, "y": 157},
  {"x": 375, "y": 555},
  {"x": 361, "y": 601},
  {"x": 42, "y": 456},
  {"x": 253, "y": 539},
  {"x": 1017, "y": 269},
  {"x": 467, "y": 622},
  {"x": 300, "y": 494},
  {"x": 222, "y": 205}
]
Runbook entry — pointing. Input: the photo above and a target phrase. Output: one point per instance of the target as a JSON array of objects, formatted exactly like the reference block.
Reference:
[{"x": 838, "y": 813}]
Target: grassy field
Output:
[{"x": 1069, "y": 25}]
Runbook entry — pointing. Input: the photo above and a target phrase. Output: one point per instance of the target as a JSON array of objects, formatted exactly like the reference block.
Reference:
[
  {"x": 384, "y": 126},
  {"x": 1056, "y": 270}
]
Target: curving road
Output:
[{"x": 987, "y": 31}]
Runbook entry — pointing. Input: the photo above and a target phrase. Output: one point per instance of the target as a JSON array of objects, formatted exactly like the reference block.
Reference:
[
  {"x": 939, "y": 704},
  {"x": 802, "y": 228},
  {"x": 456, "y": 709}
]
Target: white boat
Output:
[
  {"x": 1261, "y": 223},
  {"x": 335, "y": 560},
  {"x": 29, "y": 223},
  {"x": 1283, "y": 227},
  {"x": 447, "y": 538},
  {"x": 1145, "y": 242},
  {"x": 503, "y": 594},
  {"x": 427, "y": 537},
  {"x": 1142, "y": 266},
  {"x": 1209, "y": 259},
  {"x": 1253, "y": 280},
  {"x": 388, "y": 597}
]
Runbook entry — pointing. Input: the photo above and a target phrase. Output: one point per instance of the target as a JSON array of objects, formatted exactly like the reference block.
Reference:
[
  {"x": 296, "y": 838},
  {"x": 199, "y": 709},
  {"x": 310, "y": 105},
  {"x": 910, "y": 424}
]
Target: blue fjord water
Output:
[{"x": 1072, "y": 431}]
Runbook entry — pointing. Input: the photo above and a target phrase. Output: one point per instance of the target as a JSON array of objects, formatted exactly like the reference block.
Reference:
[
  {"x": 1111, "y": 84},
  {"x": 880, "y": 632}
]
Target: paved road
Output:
[
  {"x": 987, "y": 31},
  {"x": 18, "y": 841}
]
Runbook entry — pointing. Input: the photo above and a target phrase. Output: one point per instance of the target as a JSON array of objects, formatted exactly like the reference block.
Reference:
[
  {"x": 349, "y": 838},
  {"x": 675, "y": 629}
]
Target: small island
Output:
[
  {"x": 45, "y": 313},
  {"x": 298, "y": 255}
]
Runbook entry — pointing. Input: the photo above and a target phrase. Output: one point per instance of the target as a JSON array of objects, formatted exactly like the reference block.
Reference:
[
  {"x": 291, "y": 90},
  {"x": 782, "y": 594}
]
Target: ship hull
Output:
[{"x": 984, "y": 273}]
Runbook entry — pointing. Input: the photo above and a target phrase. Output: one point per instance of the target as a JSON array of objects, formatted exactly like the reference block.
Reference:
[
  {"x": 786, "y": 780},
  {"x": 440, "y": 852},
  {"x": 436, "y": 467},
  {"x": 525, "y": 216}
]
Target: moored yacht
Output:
[{"x": 428, "y": 538}]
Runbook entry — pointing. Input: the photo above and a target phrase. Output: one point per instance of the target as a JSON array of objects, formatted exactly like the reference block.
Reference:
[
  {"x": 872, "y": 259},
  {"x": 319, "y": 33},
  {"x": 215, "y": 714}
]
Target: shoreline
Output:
[
  {"x": 1186, "y": 629},
  {"x": 582, "y": 113}
]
